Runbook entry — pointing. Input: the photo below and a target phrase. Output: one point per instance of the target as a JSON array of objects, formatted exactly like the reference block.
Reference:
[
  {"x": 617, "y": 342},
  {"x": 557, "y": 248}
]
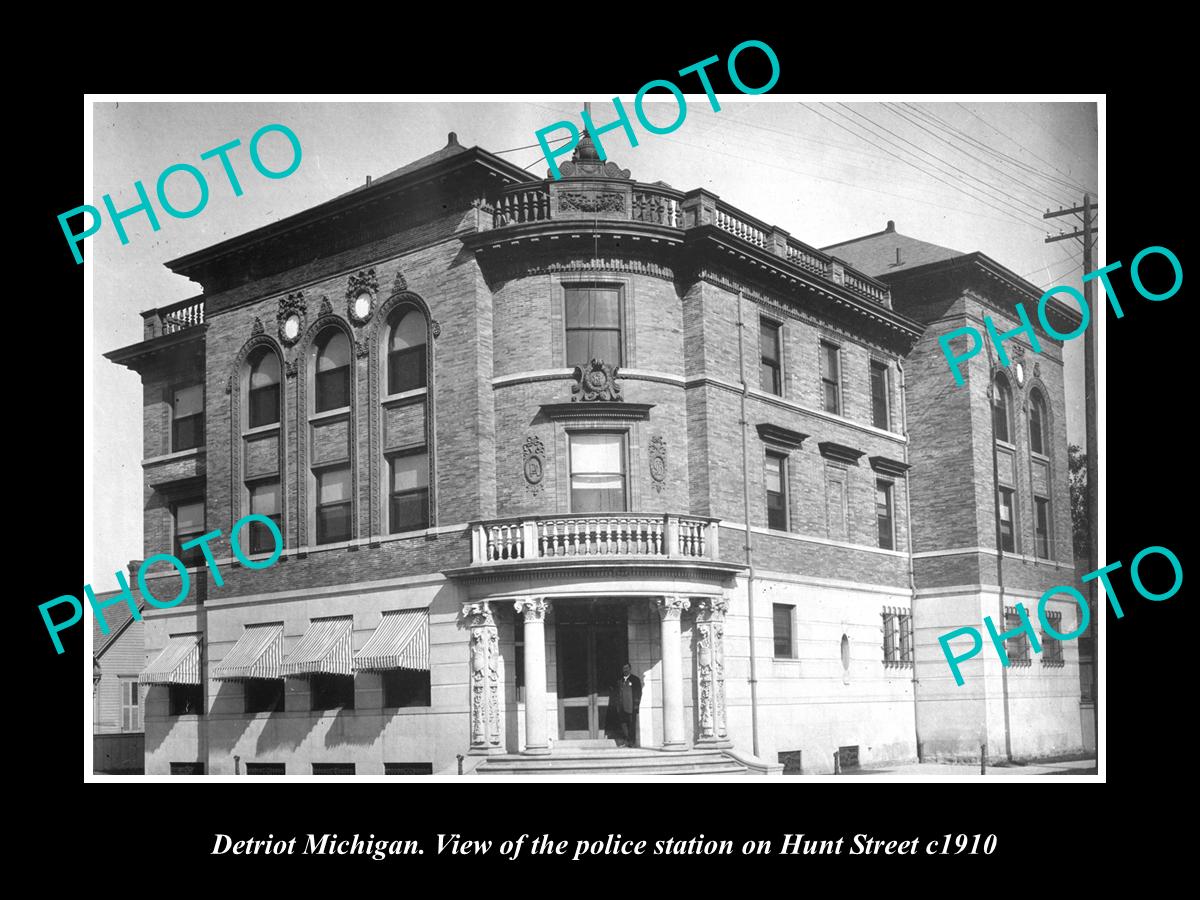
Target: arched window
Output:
[
  {"x": 333, "y": 371},
  {"x": 1037, "y": 423},
  {"x": 264, "y": 388},
  {"x": 1001, "y": 415},
  {"x": 406, "y": 353}
]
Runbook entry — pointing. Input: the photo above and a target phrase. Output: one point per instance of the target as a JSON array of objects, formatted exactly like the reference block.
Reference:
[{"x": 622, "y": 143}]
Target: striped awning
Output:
[
  {"x": 178, "y": 663},
  {"x": 325, "y": 649},
  {"x": 258, "y": 653},
  {"x": 400, "y": 642}
]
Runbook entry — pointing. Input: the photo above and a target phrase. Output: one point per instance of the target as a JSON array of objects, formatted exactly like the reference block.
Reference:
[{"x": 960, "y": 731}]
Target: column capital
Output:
[
  {"x": 532, "y": 608},
  {"x": 477, "y": 614},
  {"x": 711, "y": 609},
  {"x": 670, "y": 608}
]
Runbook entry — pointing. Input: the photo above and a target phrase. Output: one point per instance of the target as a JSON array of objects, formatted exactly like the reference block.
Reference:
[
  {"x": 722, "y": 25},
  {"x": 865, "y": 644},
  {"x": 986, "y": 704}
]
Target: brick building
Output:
[{"x": 517, "y": 433}]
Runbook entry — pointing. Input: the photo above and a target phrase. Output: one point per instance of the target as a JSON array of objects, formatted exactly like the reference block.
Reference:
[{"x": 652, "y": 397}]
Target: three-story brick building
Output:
[{"x": 517, "y": 433}]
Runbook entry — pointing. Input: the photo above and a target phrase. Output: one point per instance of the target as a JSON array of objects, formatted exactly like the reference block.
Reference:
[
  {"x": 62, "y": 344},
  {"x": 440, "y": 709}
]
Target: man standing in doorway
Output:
[{"x": 631, "y": 698}]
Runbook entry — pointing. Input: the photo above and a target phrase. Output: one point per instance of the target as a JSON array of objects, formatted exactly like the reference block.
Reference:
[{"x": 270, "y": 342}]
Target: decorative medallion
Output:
[
  {"x": 326, "y": 307},
  {"x": 360, "y": 296},
  {"x": 595, "y": 381},
  {"x": 535, "y": 463},
  {"x": 601, "y": 202},
  {"x": 291, "y": 318},
  {"x": 658, "y": 463},
  {"x": 257, "y": 328}
]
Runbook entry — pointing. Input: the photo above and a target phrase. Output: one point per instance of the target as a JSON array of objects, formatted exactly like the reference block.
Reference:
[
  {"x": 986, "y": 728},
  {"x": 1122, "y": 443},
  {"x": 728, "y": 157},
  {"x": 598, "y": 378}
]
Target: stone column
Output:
[
  {"x": 484, "y": 678},
  {"x": 669, "y": 610},
  {"x": 533, "y": 609},
  {"x": 710, "y": 670}
]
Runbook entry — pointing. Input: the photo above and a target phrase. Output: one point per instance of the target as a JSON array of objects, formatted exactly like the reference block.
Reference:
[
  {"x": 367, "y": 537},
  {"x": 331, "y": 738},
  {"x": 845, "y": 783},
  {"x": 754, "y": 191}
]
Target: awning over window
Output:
[
  {"x": 257, "y": 654},
  {"x": 325, "y": 649},
  {"x": 400, "y": 642},
  {"x": 178, "y": 663}
]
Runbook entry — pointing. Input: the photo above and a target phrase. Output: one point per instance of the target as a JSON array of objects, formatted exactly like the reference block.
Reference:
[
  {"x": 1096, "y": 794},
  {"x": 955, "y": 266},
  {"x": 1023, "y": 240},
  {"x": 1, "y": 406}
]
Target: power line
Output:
[{"x": 1067, "y": 175}]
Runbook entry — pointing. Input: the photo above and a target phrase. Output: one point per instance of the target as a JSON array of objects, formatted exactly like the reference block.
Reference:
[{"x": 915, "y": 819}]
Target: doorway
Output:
[{"x": 592, "y": 640}]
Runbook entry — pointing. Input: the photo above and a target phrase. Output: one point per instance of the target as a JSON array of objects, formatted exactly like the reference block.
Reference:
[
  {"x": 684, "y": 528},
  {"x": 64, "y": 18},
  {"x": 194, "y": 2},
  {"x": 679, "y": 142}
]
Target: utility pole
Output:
[{"x": 1089, "y": 405}]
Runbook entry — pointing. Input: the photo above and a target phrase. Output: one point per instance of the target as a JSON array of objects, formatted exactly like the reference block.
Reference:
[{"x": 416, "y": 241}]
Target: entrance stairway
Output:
[{"x": 592, "y": 760}]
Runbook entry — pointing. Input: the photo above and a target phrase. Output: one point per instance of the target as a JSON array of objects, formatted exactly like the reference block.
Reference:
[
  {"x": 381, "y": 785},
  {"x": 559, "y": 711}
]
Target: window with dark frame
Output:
[
  {"x": 1037, "y": 419},
  {"x": 1052, "y": 649},
  {"x": 831, "y": 379},
  {"x": 405, "y": 687},
  {"x": 189, "y": 525},
  {"x": 333, "y": 371},
  {"x": 331, "y": 692},
  {"x": 187, "y": 418},
  {"x": 897, "y": 637},
  {"x": 263, "y": 399},
  {"x": 593, "y": 325},
  {"x": 1001, "y": 405},
  {"x": 770, "y": 372},
  {"x": 1017, "y": 646},
  {"x": 407, "y": 349},
  {"x": 187, "y": 768},
  {"x": 264, "y": 695},
  {"x": 781, "y": 614},
  {"x": 131, "y": 706},
  {"x": 906, "y": 638},
  {"x": 1041, "y": 511},
  {"x": 333, "y": 505},
  {"x": 776, "y": 484},
  {"x": 264, "y": 501},
  {"x": 597, "y": 472},
  {"x": 261, "y": 768},
  {"x": 185, "y": 700},
  {"x": 1007, "y": 514},
  {"x": 333, "y": 768},
  {"x": 884, "y": 515},
  {"x": 408, "y": 502},
  {"x": 408, "y": 768},
  {"x": 879, "y": 395}
]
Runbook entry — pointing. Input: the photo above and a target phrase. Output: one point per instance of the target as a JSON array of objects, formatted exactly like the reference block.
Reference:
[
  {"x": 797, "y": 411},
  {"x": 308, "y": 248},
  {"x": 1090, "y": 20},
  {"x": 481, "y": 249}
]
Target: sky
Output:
[{"x": 970, "y": 175}]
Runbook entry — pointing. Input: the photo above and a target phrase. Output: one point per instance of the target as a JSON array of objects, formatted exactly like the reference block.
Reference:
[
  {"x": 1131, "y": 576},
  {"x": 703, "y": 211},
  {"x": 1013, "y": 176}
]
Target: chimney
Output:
[
  {"x": 898, "y": 261},
  {"x": 368, "y": 181},
  {"x": 891, "y": 226}
]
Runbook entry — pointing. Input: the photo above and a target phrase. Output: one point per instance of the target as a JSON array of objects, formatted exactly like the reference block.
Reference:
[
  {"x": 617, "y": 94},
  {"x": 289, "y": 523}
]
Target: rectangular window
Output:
[
  {"x": 331, "y": 691},
  {"x": 906, "y": 639},
  {"x": 1052, "y": 650},
  {"x": 597, "y": 472},
  {"x": 333, "y": 506},
  {"x": 264, "y": 501},
  {"x": 189, "y": 524},
  {"x": 1041, "y": 507},
  {"x": 891, "y": 623},
  {"x": 333, "y": 768},
  {"x": 835, "y": 503},
  {"x": 831, "y": 378},
  {"x": 404, "y": 687},
  {"x": 406, "y": 368},
  {"x": 593, "y": 324},
  {"x": 332, "y": 389},
  {"x": 187, "y": 418},
  {"x": 784, "y": 646},
  {"x": 131, "y": 707},
  {"x": 1007, "y": 520},
  {"x": 408, "y": 768},
  {"x": 1017, "y": 647},
  {"x": 770, "y": 377},
  {"x": 266, "y": 768},
  {"x": 187, "y": 768},
  {"x": 776, "y": 481},
  {"x": 264, "y": 695},
  {"x": 883, "y": 514},
  {"x": 879, "y": 395},
  {"x": 185, "y": 700},
  {"x": 264, "y": 406},
  {"x": 409, "y": 499}
]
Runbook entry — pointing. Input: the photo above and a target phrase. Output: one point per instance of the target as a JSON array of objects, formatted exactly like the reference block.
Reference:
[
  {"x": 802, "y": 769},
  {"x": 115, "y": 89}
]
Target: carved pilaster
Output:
[
  {"x": 709, "y": 653},
  {"x": 484, "y": 678}
]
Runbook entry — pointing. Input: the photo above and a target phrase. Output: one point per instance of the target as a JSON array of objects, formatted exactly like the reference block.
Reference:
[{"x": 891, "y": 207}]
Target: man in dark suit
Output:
[{"x": 631, "y": 697}]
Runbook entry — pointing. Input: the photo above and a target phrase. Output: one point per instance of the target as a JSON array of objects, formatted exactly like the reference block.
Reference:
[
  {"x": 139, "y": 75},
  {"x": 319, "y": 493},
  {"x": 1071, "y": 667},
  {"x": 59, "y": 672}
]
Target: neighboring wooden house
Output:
[{"x": 118, "y": 740}]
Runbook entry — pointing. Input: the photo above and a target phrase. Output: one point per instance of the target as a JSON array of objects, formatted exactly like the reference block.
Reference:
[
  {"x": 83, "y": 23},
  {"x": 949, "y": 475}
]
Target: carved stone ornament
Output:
[
  {"x": 671, "y": 607},
  {"x": 257, "y": 328},
  {"x": 362, "y": 348},
  {"x": 605, "y": 201},
  {"x": 658, "y": 463},
  {"x": 595, "y": 381},
  {"x": 290, "y": 368},
  {"x": 532, "y": 609},
  {"x": 1037, "y": 370},
  {"x": 484, "y": 677},
  {"x": 709, "y": 653},
  {"x": 326, "y": 307},
  {"x": 290, "y": 318},
  {"x": 399, "y": 283},
  {"x": 535, "y": 463},
  {"x": 437, "y": 329},
  {"x": 362, "y": 281}
]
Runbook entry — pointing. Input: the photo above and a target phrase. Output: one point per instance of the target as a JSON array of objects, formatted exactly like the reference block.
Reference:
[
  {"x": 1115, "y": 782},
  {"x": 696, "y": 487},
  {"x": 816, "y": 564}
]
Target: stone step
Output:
[{"x": 627, "y": 761}]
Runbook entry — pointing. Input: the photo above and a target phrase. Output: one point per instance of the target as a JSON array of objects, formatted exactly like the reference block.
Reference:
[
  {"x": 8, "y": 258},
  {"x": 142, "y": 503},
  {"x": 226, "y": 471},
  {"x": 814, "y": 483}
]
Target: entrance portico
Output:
[{"x": 590, "y": 648}]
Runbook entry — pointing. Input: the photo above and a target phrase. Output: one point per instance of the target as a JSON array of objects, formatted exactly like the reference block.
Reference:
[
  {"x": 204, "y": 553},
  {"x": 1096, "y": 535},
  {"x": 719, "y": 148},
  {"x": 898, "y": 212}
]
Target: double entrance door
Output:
[{"x": 592, "y": 642}]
